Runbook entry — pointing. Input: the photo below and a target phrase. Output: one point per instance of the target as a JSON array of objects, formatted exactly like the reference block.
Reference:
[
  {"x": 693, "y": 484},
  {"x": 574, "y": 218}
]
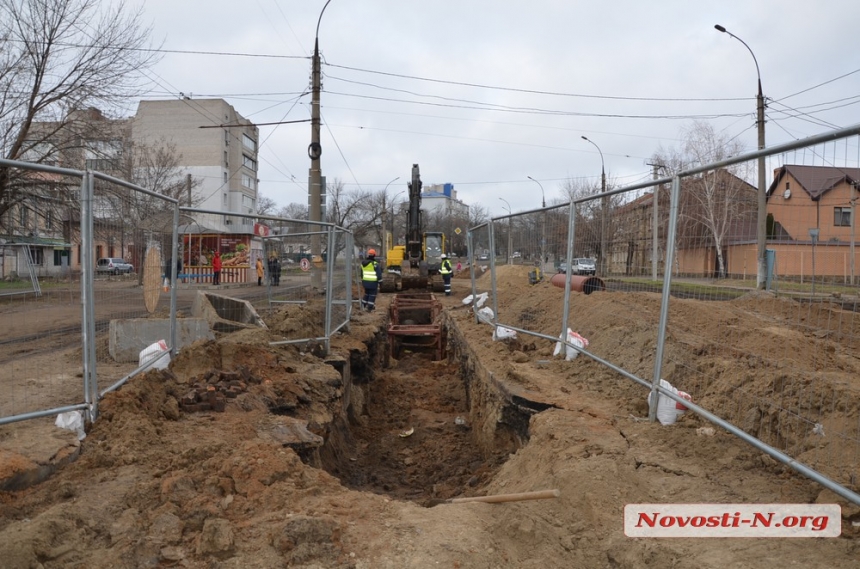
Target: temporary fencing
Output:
[
  {"x": 782, "y": 381},
  {"x": 129, "y": 260}
]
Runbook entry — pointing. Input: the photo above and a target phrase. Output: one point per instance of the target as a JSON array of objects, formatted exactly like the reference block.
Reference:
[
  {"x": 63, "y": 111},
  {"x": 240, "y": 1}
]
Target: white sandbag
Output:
[
  {"x": 570, "y": 353},
  {"x": 150, "y": 353},
  {"x": 72, "y": 421},
  {"x": 468, "y": 300},
  {"x": 486, "y": 314},
  {"x": 668, "y": 410},
  {"x": 502, "y": 333},
  {"x": 481, "y": 299}
]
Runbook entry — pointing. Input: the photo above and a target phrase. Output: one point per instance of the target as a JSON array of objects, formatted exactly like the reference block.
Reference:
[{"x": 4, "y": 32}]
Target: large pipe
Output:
[{"x": 578, "y": 283}]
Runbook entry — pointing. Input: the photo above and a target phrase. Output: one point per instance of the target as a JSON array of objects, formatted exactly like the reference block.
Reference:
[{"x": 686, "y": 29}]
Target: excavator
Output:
[{"x": 416, "y": 264}]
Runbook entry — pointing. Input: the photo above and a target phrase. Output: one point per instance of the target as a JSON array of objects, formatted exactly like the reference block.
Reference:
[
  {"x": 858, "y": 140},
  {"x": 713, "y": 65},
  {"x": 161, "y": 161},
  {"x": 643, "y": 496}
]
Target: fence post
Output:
[
  {"x": 571, "y": 241},
  {"x": 664, "y": 302},
  {"x": 88, "y": 320},
  {"x": 174, "y": 255},
  {"x": 491, "y": 229},
  {"x": 329, "y": 284}
]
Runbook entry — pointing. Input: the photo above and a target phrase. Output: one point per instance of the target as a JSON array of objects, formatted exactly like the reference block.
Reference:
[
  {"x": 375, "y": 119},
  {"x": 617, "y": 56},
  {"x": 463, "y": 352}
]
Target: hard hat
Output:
[
  {"x": 444, "y": 256},
  {"x": 371, "y": 252}
]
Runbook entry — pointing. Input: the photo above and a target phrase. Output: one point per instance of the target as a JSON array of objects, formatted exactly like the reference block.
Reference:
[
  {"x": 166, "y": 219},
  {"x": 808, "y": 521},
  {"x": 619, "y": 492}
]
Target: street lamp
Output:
[
  {"x": 543, "y": 229},
  {"x": 542, "y": 196},
  {"x": 385, "y": 245},
  {"x": 510, "y": 221},
  {"x": 315, "y": 151},
  {"x": 604, "y": 207},
  {"x": 761, "y": 225}
]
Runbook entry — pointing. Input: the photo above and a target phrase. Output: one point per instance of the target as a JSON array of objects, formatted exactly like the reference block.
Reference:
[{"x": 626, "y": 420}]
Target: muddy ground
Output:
[{"x": 287, "y": 475}]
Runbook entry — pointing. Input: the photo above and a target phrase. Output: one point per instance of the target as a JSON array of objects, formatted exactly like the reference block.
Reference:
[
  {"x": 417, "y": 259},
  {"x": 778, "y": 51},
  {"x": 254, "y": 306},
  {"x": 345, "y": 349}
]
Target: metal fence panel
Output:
[{"x": 695, "y": 236}]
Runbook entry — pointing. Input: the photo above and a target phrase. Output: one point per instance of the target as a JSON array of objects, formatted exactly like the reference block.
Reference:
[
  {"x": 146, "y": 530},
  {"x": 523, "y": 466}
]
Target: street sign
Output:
[
  {"x": 457, "y": 230},
  {"x": 305, "y": 264}
]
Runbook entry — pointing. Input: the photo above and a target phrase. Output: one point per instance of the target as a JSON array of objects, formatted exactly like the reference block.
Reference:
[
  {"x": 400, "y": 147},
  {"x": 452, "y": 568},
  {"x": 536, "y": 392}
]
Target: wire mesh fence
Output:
[
  {"x": 755, "y": 316},
  {"x": 127, "y": 262}
]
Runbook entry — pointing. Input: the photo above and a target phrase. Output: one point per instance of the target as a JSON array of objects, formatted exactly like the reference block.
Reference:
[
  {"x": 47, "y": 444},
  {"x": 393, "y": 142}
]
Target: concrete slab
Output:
[
  {"x": 225, "y": 313},
  {"x": 129, "y": 337}
]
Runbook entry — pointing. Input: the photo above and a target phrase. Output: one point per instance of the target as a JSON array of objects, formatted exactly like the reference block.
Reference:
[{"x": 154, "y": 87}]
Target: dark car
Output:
[{"x": 113, "y": 266}]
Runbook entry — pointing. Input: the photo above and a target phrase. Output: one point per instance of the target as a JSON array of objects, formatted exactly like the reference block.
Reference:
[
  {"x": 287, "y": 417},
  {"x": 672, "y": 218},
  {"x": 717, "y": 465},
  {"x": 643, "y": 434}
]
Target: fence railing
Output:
[
  {"x": 112, "y": 260},
  {"x": 680, "y": 253}
]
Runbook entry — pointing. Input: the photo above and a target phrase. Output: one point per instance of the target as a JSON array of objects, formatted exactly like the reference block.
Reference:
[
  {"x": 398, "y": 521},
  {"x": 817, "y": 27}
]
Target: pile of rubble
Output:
[{"x": 211, "y": 391}]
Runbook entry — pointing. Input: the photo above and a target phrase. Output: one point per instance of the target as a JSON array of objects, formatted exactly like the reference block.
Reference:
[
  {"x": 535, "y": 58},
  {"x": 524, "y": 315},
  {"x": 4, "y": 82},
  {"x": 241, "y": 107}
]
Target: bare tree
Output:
[
  {"x": 587, "y": 238},
  {"x": 265, "y": 205},
  {"x": 60, "y": 57},
  {"x": 714, "y": 202},
  {"x": 293, "y": 211}
]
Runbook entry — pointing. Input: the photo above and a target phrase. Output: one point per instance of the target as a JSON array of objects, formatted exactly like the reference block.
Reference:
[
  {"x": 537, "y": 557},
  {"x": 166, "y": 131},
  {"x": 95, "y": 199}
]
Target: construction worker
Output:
[
  {"x": 371, "y": 274},
  {"x": 445, "y": 270}
]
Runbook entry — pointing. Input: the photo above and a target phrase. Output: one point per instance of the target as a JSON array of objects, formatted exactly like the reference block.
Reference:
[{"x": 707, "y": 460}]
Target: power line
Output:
[
  {"x": 530, "y": 91},
  {"x": 175, "y": 51},
  {"x": 536, "y": 111}
]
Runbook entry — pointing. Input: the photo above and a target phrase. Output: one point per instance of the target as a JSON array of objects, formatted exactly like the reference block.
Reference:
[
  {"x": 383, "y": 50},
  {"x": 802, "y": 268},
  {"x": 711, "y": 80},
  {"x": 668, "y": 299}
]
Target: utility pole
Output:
[
  {"x": 761, "y": 221},
  {"x": 188, "y": 188},
  {"x": 314, "y": 153},
  {"x": 655, "y": 227}
]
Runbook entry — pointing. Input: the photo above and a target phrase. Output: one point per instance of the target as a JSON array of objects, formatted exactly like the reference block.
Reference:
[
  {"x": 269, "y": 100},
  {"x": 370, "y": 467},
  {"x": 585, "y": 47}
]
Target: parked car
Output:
[
  {"x": 583, "y": 266},
  {"x": 113, "y": 266}
]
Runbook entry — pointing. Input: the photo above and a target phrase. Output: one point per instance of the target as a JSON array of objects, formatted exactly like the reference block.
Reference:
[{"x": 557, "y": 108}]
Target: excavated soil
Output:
[{"x": 308, "y": 467}]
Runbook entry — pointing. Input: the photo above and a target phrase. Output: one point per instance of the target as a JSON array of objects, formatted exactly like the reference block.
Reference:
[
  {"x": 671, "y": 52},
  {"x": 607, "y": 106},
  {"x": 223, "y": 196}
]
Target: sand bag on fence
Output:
[
  {"x": 149, "y": 353},
  {"x": 668, "y": 410},
  {"x": 572, "y": 338}
]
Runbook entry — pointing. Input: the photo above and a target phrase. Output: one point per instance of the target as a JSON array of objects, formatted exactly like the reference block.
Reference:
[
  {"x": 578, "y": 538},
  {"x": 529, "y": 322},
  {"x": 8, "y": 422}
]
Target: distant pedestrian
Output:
[
  {"x": 459, "y": 266},
  {"x": 271, "y": 266},
  {"x": 445, "y": 270},
  {"x": 260, "y": 271},
  {"x": 371, "y": 274},
  {"x": 216, "y": 268},
  {"x": 277, "y": 272}
]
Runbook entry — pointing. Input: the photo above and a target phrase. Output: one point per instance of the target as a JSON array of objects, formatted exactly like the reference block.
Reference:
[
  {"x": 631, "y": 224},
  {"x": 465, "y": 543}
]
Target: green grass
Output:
[{"x": 742, "y": 286}]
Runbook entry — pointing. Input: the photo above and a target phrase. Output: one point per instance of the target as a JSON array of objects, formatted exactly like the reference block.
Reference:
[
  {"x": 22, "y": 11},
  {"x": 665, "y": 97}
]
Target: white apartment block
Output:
[
  {"x": 222, "y": 156},
  {"x": 442, "y": 200}
]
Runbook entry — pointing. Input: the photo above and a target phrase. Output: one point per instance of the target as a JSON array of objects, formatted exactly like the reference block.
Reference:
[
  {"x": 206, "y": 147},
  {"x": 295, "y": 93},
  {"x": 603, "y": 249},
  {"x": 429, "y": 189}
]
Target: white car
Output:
[
  {"x": 582, "y": 266},
  {"x": 113, "y": 266}
]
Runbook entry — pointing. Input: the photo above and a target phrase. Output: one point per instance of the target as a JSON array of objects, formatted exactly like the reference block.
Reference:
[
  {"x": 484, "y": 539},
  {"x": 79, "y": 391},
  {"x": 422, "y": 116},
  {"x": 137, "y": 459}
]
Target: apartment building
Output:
[{"x": 218, "y": 148}]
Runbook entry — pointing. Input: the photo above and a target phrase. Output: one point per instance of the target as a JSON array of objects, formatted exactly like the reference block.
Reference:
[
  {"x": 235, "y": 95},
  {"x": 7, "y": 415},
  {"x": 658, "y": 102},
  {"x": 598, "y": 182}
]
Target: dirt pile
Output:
[{"x": 155, "y": 486}]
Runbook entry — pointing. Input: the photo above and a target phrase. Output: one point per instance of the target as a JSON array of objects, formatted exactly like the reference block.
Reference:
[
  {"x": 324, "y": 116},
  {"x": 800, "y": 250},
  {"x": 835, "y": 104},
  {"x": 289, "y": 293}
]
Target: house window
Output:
[
  {"x": 249, "y": 143},
  {"x": 249, "y": 162},
  {"x": 37, "y": 255},
  {"x": 58, "y": 257},
  {"x": 226, "y": 138},
  {"x": 842, "y": 216},
  {"x": 102, "y": 154},
  {"x": 24, "y": 214},
  {"x": 248, "y": 181},
  {"x": 225, "y": 177},
  {"x": 226, "y": 162}
]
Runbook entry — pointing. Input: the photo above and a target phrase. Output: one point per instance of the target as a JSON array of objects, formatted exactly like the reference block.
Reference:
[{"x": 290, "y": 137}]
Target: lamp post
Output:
[
  {"x": 761, "y": 225},
  {"x": 386, "y": 246},
  {"x": 604, "y": 205},
  {"x": 543, "y": 228},
  {"x": 510, "y": 221},
  {"x": 315, "y": 151}
]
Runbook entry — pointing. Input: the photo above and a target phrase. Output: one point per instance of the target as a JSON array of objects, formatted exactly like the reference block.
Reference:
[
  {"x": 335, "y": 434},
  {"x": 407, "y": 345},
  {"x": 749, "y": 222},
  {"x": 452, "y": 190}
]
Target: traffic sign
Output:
[{"x": 305, "y": 264}]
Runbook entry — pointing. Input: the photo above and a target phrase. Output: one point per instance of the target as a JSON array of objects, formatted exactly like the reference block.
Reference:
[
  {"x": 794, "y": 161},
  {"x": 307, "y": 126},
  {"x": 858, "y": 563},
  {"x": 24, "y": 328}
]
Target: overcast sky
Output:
[{"x": 484, "y": 93}]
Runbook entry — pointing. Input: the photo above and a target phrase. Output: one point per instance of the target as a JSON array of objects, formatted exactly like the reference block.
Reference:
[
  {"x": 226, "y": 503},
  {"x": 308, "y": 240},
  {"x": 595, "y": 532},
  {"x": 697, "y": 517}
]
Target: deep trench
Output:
[{"x": 422, "y": 430}]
